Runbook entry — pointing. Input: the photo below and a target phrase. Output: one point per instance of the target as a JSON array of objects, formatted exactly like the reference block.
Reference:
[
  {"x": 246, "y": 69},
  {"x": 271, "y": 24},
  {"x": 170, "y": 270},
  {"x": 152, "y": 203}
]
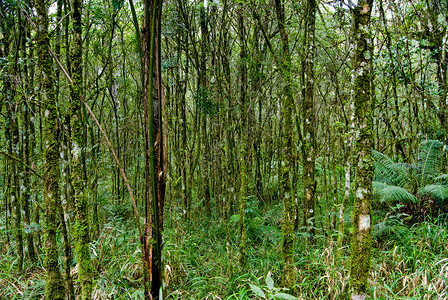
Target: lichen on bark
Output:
[
  {"x": 82, "y": 227},
  {"x": 309, "y": 143},
  {"x": 287, "y": 173},
  {"x": 363, "y": 100},
  {"x": 54, "y": 288}
]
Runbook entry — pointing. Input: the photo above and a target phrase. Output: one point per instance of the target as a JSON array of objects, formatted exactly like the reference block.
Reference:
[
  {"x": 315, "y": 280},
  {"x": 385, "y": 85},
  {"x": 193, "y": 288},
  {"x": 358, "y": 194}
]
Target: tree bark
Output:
[
  {"x": 54, "y": 283},
  {"x": 155, "y": 164},
  {"x": 82, "y": 227},
  {"x": 364, "y": 106},
  {"x": 309, "y": 142},
  {"x": 287, "y": 172}
]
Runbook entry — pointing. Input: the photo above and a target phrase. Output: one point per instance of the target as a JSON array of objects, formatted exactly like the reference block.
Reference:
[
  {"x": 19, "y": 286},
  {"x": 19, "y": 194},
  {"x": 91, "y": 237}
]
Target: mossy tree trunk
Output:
[
  {"x": 14, "y": 151},
  {"x": 65, "y": 177},
  {"x": 309, "y": 142},
  {"x": 14, "y": 187},
  {"x": 364, "y": 106},
  {"x": 82, "y": 227},
  {"x": 54, "y": 283},
  {"x": 244, "y": 132},
  {"x": 186, "y": 191},
  {"x": 204, "y": 103},
  {"x": 5, "y": 28},
  {"x": 348, "y": 169},
  {"x": 26, "y": 123},
  {"x": 287, "y": 173},
  {"x": 12, "y": 133}
]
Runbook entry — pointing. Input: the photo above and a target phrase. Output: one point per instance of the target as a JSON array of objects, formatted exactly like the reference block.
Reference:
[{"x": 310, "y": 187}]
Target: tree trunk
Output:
[
  {"x": 26, "y": 195},
  {"x": 54, "y": 283},
  {"x": 155, "y": 164},
  {"x": 309, "y": 142},
  {"x": 362, "y": 72},
  {"x": 244, "y": 132},
  {"x": 82, "y": 228},
  {"x": 287, "y": 173}
]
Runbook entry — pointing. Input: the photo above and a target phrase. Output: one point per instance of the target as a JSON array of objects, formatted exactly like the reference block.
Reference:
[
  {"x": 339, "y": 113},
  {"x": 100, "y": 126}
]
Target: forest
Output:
[{"x": 223, "y": 149}]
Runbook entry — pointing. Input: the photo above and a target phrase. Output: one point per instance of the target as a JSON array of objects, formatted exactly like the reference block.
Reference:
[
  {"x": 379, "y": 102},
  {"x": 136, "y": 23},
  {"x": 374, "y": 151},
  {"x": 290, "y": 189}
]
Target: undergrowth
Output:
[{"x": 408, "y": 262}]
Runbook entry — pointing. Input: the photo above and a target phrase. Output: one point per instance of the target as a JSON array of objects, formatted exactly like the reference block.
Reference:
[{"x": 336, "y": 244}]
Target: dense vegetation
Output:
[{"x": 223, "y": 149}]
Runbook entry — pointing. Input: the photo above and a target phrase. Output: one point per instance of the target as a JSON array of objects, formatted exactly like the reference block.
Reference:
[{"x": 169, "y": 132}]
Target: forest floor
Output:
[{"x": 408, "y": 262}]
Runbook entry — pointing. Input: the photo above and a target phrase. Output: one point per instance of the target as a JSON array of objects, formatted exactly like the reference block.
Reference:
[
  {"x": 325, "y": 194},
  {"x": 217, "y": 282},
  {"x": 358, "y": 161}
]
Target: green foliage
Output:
[
  {"x": 205, "y": 103},
  {"x": 404, "y": 183},
  {"x": 408, "y": 263},
  {"x": 442, "y": 178},
  {"x": 392, "y": 194},
  {"x": 387, "y": 171},
  {"x": 117, "y": 4},
  {"x": 429, "y": 160},
  {"x": 268, "y": 291},
  {"x": 437, "y": 191}
]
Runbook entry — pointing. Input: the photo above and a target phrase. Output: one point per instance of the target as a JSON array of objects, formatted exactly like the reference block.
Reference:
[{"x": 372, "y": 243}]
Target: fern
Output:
[
  {"x": 437, "y": 191},
  {"x": 429, "y": 160},
  {"x": 388, "y": 171},
  {"x": 442, "y": 178},
  {"x": 392, "y": 194},
  {"x": 377, "y": 186}
]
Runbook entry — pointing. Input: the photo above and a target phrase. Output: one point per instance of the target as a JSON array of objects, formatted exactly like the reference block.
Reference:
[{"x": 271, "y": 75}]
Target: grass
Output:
[{"x": 407, "y": 262}]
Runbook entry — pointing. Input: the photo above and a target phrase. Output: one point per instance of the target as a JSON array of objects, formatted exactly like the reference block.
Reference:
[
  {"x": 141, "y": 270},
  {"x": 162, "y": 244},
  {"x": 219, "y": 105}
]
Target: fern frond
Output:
[
  {"x": 377, "y": 186},
  {"x": 395, "y": 194},
  {"x": 441, "y": 178},
  {"x": 436, "y": 190},
  {"x": 429, "y": 159},
  {"x": 386, "y": 170}
]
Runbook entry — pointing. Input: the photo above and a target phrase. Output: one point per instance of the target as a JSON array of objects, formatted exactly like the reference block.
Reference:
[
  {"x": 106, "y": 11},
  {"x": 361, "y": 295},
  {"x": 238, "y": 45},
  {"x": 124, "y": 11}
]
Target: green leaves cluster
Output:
[
  {"x": 269, "y": 291},
  {"x": 406, "y": 183}
]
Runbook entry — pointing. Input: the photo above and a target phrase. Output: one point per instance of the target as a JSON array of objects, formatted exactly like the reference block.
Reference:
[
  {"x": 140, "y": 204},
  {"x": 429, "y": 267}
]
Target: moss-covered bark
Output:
[
  {"x": 82, "y": 235},
  {"x": 65, "y": 179},
  {"x": 288, "y": 150},
  {"x": 15, "y": 192},
  {"x": 203, "y": 94},
  {"x": 54, "y": 284},
  {"x": 309, "y": 142},
  {"x": 26, "y": 195},
  {"x": 12, "y": 136},
  {"x": 243, "y": 149},
  {"x": 362, "y": 72}
]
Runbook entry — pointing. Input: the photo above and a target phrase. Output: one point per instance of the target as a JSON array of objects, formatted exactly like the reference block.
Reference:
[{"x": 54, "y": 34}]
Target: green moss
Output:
[
  {"x": 54, "y": 283},
  {"x": 242, "y": 198},
  {"x": 82, "y": 228},
  {"x": 361, "y": 239}
]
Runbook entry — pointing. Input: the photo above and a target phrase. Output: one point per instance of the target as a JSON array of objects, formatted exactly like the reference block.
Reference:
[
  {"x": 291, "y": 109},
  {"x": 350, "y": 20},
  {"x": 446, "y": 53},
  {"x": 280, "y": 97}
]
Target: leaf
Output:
[
  {"x": 257, "y": 291},
  {"x": 269, "y": 281},
  {"x": 285, "y": 296},
  {"x": 429, "y": 159},
  {"x": 441, "y": 178},
  {"x": 377, "y": 186},
  {"x": 386, "y": 170},
  {"x": 436, "y": 190},
  {"x": 396, "y": 194},
  {"x": 117, "y": 4}
]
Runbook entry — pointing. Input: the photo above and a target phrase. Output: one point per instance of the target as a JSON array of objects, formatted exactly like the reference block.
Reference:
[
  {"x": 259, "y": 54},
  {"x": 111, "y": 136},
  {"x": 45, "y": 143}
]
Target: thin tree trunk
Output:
[
  {"x": 26, "y": 195},
  {"x": 54, "y": 283},
  {"x": 309, "y": 142},
  {"x": 362, "y": 72},
  {"x": 155, "y": 165},
  {"x": 244, "y": 140},
  {"x": 287, "y": 173},
  {"x": 82, "y": 227}
]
